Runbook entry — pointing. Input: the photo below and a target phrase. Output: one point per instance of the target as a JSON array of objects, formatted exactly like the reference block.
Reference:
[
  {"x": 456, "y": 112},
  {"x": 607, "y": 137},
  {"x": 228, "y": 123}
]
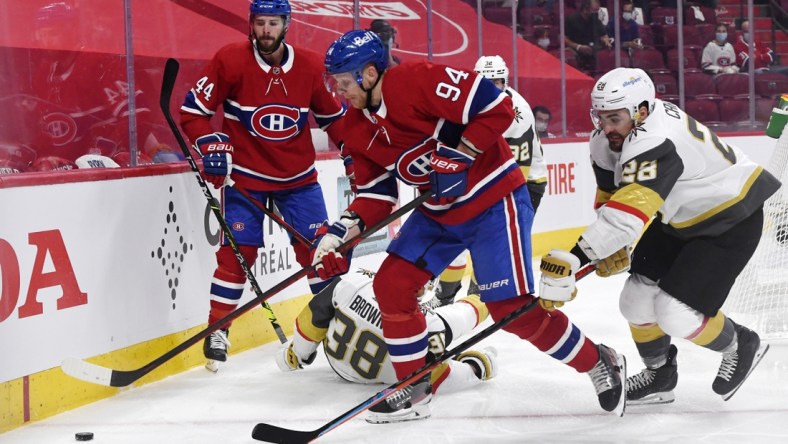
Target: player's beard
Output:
[
  {"x": 266, "y": 46},
  {"x": 615, "y": 141}
]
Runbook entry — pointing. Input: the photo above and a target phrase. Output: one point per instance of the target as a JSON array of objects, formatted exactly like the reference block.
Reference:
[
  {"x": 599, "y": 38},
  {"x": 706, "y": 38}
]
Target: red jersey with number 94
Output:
[{"x": 421, "y": 104}]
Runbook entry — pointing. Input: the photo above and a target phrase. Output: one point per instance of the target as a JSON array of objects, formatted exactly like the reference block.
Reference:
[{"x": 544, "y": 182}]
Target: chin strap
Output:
[{"x": 369, "y": 91}]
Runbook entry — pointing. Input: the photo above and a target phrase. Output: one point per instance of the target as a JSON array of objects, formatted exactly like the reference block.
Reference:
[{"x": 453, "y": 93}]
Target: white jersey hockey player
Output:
[
  {"x": 345, "y": 318},
  {"x": 651, "y": 159}
]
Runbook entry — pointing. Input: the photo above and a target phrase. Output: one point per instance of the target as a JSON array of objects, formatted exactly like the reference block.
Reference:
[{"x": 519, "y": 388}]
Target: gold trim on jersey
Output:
[
  {"x": 645, "y": 333},
  {"x": 602, "y": 197},
  {"x": 641, "y": 198},
  {"x": 723, "y": 206},
  {"x": 305, "y": 326},
  {"x": 481, "y": 310},
  {"x": 711, "y": 330}
]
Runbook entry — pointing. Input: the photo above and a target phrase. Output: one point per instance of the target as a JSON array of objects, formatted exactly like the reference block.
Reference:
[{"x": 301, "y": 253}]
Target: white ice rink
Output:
[{"x": 533, "y": 399}]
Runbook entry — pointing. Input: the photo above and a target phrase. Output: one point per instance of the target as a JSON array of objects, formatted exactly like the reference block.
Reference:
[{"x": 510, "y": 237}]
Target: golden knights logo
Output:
[
  {"x": 518, "y": 115},
  {"x": 634, "y": 132},
  {"x": 600, "y": 86}
]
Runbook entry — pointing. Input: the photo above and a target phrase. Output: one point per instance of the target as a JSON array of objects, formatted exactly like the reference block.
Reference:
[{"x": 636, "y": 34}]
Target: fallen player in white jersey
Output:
[{"x": 346, "y": 319}]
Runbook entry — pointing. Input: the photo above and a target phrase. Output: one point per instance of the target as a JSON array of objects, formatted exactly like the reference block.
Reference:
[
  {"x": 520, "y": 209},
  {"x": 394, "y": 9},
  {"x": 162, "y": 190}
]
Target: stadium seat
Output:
[
  {"x": 606, "y": 60},
  {"x": 672, "y": 98},
  {"x": 763, "y": 108},
  {"x": 770, "y": 84},
  {"x": 702, "y": 110},
  {"x": 707, "y": 32},
  {"x": 734, "y": 110},
  {"x": 647, "y": 59},
  {"x": 690, "y": 60},
  {"x": 663, "y": 16},
  {"x": 646, "y": 35},
  {"x": 498, "y": 14},
  {"x": 709, "y": 16},
  {"x": 696, "y": 83},
  {"x": 692, "y": 36},
  {"x": 729, "y": 85},
  {"x": 536, "y": 16},
  {"x": 665, "y": 84}
]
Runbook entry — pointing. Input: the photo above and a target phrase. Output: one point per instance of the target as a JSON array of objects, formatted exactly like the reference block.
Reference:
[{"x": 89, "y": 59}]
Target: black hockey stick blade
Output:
[
  {"x": 97, "y": 374},
  {"x": 271, "y": 433}
]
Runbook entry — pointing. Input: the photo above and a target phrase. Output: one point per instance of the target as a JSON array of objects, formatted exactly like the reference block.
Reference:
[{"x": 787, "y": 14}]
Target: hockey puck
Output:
[{"x": 84, "y": 436}]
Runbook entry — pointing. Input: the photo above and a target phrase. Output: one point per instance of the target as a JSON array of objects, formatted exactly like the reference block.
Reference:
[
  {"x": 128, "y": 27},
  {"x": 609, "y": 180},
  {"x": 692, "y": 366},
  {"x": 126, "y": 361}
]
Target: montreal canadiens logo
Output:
[
  {"x": 238, "y": 226},
  {"x": 61, "y": 128},
  {"x": 413, "y": 166},
  {"x": 276, "y": 122}
]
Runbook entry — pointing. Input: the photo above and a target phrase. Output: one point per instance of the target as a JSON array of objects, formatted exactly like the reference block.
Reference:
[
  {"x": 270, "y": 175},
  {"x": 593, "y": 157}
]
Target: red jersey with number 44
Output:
[
  {"x": 421, "y": 104},
  {"x": 266, "y": 111}
]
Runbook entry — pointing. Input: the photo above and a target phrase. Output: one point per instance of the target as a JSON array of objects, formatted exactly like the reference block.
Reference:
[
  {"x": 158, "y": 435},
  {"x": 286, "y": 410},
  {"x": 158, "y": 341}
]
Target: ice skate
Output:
[
  {"x": 408, "y": 404},
  {"x": 215, "y": 348},
  {"x": 737, "y": 365},
  {"x": 654, "y": 386},
  {"x": 609, "y": 376},
  {"x": 484, "y": 362}
]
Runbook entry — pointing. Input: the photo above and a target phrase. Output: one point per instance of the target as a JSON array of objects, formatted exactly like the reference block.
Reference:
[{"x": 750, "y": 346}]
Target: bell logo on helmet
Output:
[{"x": 361, "y": 40}]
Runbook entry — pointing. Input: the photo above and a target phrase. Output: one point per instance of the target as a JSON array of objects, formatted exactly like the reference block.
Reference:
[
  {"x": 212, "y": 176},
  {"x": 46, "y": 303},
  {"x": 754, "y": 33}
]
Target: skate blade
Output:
[
  {"x": 654, "y": 399},
  {"x": 411, "y": 415},
  {"x": 212, "y": 366},
  {"x": 622, "y": 403},
  {"x": 755, "y": 361}
]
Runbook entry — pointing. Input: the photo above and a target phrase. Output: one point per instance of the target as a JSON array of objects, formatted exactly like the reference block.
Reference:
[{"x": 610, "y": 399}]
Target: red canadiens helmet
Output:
[{"x": 52, "y": 163}]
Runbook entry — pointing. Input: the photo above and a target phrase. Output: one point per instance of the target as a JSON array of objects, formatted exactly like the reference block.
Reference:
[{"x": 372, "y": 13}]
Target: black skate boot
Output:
[
  {"x": 445, "y": 292},
  {"x": 215, "y": 348},
  {"x": 737, "y": 365},
  {"x": 609, "y": 376},
  {"x": 408, "y": 404},
  {"x": 654, "y": 385}
]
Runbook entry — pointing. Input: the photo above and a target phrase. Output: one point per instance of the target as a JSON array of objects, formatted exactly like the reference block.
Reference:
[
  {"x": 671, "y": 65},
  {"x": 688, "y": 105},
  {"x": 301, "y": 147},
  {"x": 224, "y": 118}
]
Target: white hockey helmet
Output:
[
  {"x": 622, "y": 88},
  {"x": 492, "y": 67}
]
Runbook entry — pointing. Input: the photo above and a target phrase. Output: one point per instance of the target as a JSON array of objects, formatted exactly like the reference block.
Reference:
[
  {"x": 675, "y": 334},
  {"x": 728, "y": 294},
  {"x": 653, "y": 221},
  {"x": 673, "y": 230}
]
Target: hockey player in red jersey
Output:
[
  {"x": 439, "y": 129},
  {"x": 267, "y": 88}
]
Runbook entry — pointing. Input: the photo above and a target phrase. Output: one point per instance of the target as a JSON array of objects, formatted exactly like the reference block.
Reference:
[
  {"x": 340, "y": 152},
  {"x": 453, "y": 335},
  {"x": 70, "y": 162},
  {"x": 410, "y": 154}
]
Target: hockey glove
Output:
[
  {"x": 329, "y": 263},
  {"x": 617, "y": 262},
  {"x": 557, "y": 284},
  {"x": 288, "y": 360},
  {"x": 217, "y": 158},
  {"x": 449, "y": 176}
]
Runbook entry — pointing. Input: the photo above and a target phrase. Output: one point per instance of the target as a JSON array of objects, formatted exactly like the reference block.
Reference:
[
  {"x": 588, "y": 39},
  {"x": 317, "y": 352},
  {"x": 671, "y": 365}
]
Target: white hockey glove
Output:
[
  {"x": 288, "y": 360},
  {"x": 328, "y": 238},
  {"x": 557, "y": 284},
  {"x": 616, "y": 263}
]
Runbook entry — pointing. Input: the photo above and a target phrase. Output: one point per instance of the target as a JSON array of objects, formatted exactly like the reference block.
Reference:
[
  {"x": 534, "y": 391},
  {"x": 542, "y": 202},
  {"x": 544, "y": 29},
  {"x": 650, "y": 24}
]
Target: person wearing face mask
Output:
[
  {"x": 542, "y": 117},
  {"x": 629, "y": 32},
  {"x": 718, "y": 55},
  {"x": 586, "y": 35},
  {"x": 761, "y": 53},
  {"x": 542, "y": 37}
]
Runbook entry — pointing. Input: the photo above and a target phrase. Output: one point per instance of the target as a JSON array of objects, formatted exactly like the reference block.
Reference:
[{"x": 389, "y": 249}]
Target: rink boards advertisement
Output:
[{"x": 95, "y": 266}]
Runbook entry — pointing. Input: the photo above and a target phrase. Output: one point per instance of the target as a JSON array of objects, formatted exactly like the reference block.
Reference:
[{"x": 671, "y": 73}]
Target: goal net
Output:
[{"x": 759, "y": 298}]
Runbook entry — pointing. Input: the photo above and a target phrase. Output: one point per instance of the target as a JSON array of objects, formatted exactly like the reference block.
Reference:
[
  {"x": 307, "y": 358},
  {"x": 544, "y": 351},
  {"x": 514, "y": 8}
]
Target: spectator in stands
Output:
[
  {"x": 586, "y": 35},
  {"x": 542, "y": 118},
  {"x": 718, "y": 55},
  {"x": 761, "y": 52},
  {"x": 542, "y": 38},
  {"x": 386, "y": 32},
  {"x": 629, "y": 33}
]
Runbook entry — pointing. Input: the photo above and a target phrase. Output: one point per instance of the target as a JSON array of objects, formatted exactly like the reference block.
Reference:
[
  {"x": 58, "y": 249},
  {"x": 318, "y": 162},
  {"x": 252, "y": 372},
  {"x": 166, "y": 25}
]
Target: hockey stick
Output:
[
  {"x": 271, "y": 433},
  {"x": 168, "y": 83},
  {"x": 97, "y": 374}
]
